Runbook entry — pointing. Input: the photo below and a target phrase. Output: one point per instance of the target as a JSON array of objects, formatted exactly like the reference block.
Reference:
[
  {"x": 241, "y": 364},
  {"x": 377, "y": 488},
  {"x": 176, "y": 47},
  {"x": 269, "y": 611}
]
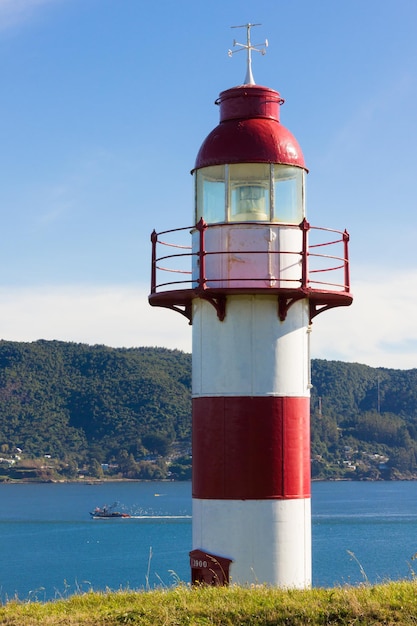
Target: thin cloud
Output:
[
  {"x": 117, "y": 316},
  {"x": 366, "y": 117},
  {"x": 15, "y": 12},
  {"x": 377, "y": 330}
]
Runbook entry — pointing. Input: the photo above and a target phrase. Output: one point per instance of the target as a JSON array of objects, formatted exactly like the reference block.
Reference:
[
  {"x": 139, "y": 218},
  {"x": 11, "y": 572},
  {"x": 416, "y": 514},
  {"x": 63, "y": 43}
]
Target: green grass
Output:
[{"x": 389, "y": 604}]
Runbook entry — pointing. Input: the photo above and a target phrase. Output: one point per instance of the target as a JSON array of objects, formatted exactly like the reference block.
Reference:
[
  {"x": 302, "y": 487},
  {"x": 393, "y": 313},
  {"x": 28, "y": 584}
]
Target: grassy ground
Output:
[{"x": 388, "y": 605}]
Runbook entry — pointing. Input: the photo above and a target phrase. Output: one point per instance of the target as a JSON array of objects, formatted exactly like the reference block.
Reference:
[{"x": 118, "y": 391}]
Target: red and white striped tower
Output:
[{"x": 252, "y": 293}]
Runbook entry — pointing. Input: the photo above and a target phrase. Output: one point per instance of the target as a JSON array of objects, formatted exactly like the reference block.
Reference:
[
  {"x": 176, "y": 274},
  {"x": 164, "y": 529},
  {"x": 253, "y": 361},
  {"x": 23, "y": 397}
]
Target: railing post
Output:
[
  {"x": 346, "y": 253},
  {"x": 305, "y": 227},
  {"x": 154, "y": 240},
  {"x": 201, "y": 227}
]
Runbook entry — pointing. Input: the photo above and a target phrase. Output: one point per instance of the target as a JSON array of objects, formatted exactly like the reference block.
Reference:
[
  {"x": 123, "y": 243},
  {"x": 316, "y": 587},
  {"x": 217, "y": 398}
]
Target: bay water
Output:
[{"x": 51, "y": 548}]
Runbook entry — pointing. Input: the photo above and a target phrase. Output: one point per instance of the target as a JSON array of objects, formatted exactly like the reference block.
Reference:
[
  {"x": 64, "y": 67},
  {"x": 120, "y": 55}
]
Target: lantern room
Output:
[{"x": 250, "y": 192}]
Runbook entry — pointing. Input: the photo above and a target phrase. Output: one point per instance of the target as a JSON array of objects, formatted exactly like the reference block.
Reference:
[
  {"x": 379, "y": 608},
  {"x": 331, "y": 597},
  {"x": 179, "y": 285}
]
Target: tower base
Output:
[{"x": 267, "y": 541}]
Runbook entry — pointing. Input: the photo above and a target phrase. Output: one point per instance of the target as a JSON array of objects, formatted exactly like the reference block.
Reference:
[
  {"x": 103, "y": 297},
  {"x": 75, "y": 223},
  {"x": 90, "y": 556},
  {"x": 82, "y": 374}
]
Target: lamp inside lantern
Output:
[{"x": 249, "y": 202}]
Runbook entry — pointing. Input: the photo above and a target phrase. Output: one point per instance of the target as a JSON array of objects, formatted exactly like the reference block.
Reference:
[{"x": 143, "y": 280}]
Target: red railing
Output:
[{"x": 323, "y": 255}]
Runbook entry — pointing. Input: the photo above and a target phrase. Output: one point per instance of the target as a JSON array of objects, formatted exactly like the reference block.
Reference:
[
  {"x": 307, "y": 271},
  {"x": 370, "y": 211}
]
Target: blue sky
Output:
[{"x": 104, "y": 105}]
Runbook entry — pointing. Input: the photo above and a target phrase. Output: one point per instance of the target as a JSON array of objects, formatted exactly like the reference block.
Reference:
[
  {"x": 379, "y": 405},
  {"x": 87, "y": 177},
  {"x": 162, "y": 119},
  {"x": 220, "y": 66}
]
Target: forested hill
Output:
[{"x": 69, "y": 408}]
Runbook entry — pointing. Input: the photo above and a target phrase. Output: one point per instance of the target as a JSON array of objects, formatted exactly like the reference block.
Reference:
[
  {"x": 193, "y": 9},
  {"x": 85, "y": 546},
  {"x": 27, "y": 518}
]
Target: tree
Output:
[
  {"x": 156, "y": 443},
  {"x": 94, "y": 469}
]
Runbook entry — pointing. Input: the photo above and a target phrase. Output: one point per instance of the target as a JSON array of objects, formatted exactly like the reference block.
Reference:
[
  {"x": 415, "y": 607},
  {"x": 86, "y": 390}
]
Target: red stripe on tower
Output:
[{"x": 251, "y": 447}]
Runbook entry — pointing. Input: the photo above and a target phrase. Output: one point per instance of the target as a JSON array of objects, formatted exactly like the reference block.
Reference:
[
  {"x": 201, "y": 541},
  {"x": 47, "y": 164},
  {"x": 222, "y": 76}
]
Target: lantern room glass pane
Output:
[
  {"x": 288, "y": 194},
  {"x": 249, "y": 192},
  {"x": 211, "y": 194}
]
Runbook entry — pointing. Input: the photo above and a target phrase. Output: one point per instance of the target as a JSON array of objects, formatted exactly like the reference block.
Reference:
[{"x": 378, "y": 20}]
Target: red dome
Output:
[{"x": 249, "y": 131}]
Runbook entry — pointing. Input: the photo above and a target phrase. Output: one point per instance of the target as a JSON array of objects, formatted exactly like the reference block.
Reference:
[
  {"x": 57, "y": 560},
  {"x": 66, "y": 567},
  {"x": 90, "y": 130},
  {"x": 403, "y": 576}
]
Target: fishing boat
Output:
[{"x": 107, "y": 512}]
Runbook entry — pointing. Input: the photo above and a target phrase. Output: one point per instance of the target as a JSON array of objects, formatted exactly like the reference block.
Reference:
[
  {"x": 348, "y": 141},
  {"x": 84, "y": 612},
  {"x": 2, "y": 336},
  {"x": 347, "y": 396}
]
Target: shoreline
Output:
[{"x": 91, "y": 482}]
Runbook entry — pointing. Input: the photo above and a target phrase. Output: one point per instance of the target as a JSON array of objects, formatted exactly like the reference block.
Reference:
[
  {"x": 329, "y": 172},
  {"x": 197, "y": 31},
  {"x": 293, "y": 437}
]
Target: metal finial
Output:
[{"x": 249, "y": 80}]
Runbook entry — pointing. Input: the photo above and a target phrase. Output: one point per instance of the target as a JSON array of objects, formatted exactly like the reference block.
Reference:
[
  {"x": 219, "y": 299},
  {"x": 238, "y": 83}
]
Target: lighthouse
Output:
[{"x": 250, "y": 273}]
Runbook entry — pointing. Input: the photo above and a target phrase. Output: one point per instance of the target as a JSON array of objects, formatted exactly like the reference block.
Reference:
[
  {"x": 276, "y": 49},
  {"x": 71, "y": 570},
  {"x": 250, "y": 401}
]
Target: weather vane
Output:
[{"x": 248, "y": 46}]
